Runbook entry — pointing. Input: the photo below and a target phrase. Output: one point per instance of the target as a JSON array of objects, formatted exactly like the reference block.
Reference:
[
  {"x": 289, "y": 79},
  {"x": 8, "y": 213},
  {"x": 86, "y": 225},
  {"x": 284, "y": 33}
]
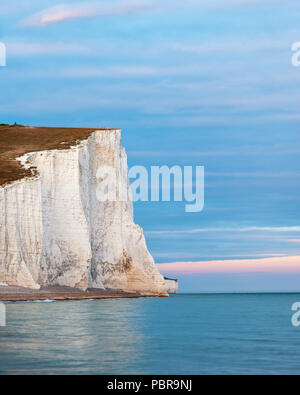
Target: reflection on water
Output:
[
  {"x": 92, "y": 336},
  {"x": 182, "y": 334}
]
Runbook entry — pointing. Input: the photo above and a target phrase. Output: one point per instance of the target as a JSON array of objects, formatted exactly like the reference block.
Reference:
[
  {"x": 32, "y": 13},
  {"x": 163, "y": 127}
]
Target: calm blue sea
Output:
[{"x": 183, "y": 334}]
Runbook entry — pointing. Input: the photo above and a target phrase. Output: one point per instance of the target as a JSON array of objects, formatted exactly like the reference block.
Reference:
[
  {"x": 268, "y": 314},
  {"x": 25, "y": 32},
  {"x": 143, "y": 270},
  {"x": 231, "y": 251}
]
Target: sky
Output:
[{"x": 196, "y": 83}]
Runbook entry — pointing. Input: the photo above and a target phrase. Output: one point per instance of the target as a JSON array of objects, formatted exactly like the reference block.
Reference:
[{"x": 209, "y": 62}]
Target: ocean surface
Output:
[{"x": 183, "y": 334}]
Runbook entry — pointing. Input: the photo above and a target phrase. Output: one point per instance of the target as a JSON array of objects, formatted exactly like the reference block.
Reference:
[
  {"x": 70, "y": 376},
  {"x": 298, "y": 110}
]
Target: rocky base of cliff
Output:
[{"x": 21, "y": 294}]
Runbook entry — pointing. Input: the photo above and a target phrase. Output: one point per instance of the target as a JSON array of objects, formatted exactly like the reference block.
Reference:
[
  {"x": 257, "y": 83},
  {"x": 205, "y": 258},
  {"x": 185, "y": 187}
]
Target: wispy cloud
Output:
[
  {"x": 208, "y": 257},
  {"x": 67, "y": 12},
  {"x": 21, "y": 48},
  {"x": 232, "y": 46},
  {"x": 241, "y": 151},
  {"x": 277, "y": 229},
  {"x": 253, "y": 174},
  {"x": 287, "y": 265},
  {"x": 112, "y": 71}
]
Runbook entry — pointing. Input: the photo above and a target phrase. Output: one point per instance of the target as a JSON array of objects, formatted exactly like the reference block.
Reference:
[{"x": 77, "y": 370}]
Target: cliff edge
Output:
[
  {"x": 172, "y": 285},
  {"x": 55, "y": 228}
]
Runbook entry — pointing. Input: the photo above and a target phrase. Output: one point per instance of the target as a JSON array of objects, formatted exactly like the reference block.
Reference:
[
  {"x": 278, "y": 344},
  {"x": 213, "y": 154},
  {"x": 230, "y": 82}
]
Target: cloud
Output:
[
  {"x": 22, "y": 48},
  {"x": 232, "y": 46},
  {"x": 241, "y": 151},
  {"x": 67, "y": 12},
  {"x": 72, "y": 11},
  {"x": 279, "y": 265},
  {"x": 112, "y": 71},
  {"x": 228, "y": 229},
  {"x": 253, "y": 174},
  {"x": 208, "y": 257}
]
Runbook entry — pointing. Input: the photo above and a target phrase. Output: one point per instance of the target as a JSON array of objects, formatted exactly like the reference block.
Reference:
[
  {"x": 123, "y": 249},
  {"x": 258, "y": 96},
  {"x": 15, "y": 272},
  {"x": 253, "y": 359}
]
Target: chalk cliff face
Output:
[
  {"x": 55, "y": 228},
  {"x": 172, "y": 285}
]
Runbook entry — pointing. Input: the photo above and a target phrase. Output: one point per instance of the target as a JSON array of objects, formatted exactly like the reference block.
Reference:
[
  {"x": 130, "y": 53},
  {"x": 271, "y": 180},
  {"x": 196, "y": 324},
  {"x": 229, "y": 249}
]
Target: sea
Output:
[{"x": 183, "y": 334}]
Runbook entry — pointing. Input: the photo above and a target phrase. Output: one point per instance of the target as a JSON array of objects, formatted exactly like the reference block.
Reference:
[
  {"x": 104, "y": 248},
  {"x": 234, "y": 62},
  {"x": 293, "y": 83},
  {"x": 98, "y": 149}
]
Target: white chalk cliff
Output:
[
  {"x": 172, "y": 285},
  {"x": 54, "y": 229}
]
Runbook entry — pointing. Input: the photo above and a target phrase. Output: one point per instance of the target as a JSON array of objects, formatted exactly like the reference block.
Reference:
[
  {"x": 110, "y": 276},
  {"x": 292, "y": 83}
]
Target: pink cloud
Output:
[
  {"x": 66, "y": 12},
  {"x": 288, "y": 265},
  {"x": 89, "y": 9}
]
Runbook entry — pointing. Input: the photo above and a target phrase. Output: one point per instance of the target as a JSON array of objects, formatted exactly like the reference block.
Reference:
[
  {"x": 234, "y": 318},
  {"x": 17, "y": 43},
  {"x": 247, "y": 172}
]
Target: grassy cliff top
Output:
[{"x": 17, "y": 140}]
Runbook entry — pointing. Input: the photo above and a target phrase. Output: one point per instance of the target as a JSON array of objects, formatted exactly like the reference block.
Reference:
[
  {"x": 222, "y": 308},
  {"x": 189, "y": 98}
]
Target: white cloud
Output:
[
  {"x": 190, "y": 255},
  {"x": 254, "y": 174},
  {"x": 112, "y": 71},
  {"x": 66, "y": 12},
  {"x": 233, "y": 45},
  {"x": 228, "y": 229},
  {"x": 23, "y": 48}
]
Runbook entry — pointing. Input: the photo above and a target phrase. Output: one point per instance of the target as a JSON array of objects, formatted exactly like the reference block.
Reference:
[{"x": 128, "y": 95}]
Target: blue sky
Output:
[{"x": 190, "y": 83}]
